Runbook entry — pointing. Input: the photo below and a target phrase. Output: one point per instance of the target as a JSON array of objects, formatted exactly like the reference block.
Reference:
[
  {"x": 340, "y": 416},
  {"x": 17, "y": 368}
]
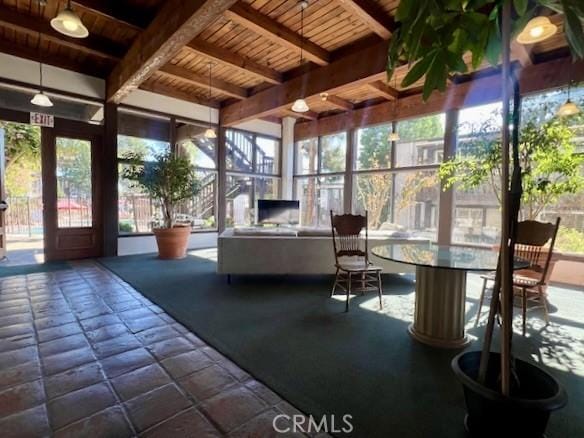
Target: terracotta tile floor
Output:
[{"x": 84, "y": 354}]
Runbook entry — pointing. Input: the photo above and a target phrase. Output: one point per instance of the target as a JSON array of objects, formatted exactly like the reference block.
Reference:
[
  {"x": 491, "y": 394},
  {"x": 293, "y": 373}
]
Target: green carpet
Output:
[
  {"x": 288, "y": 333},
  {"x": 8, "y": 271}
]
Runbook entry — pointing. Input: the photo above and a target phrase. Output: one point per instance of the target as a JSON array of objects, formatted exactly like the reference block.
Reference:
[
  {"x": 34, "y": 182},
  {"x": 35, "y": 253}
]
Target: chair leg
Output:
[
  {"x": 348, "y": 291},
  {"x": 543, "y": 299},
  {"x": 336, "y": 281},
  {"x": 380, "y": 290},
  {"x": 362, "y": 283},
  {"x": 481, "y": 299},
  {"x": 524, "y": 307}
]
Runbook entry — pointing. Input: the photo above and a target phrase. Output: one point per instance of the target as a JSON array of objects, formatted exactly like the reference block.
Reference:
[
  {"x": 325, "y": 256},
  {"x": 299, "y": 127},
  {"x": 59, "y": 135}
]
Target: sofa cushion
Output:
[
  {"x": 314, "y": 232},
  {"x": 259, "y": 232}
]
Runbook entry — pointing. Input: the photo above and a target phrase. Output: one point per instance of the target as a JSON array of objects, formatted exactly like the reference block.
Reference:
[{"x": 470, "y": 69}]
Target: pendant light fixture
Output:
[
  {"x": 537, "y": 29},
  {"x": 393, "y": 135},
  {"x": 568, "y": 108},
  {"x": 300, "y": 105},
  {"x": 41, "y": 99},
  {"x": 68, "y": 23},
  {"x": 210, "y": 132}
]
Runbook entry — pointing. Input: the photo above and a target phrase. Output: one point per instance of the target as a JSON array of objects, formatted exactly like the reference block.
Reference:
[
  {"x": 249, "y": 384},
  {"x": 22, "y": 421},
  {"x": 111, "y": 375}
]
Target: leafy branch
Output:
[
  {"x": 434, "y": 36},
  {"x": 551, "y": 167}
]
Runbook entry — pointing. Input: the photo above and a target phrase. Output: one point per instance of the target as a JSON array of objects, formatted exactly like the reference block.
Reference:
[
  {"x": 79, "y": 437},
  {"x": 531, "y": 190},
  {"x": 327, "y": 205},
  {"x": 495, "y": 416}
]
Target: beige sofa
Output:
[{"x": 291, "y": 251}]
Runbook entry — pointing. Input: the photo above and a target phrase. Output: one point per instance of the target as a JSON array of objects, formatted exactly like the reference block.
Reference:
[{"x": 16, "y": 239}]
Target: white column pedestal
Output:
[{"x": 440, "y": 307}]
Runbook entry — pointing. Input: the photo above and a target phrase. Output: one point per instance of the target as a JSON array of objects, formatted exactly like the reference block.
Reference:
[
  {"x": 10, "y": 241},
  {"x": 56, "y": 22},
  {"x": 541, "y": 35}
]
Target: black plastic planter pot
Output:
[{"x": 525, "y": 414}]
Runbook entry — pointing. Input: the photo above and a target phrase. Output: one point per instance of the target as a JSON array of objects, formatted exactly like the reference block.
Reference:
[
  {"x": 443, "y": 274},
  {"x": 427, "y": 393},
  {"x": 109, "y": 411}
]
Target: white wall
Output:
[
  {"x": 147, "y": 244},
  {"x": 171, "y": 105},
  {"x": 262, "y": 127},
  {"x": 23, "y": 70}
]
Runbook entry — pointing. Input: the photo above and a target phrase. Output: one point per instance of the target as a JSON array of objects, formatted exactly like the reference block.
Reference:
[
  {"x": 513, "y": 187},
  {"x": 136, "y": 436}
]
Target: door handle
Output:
[{"x": 3, "y": 206}]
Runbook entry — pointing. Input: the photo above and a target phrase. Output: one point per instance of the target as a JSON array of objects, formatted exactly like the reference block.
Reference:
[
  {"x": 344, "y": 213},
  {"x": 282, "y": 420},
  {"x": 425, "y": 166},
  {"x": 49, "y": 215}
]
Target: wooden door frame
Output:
[{"x": 52, "y": 233}]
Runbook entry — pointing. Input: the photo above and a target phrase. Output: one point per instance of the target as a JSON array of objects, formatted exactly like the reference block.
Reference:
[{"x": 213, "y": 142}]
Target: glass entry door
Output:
[{"x": 72, "y": 210}]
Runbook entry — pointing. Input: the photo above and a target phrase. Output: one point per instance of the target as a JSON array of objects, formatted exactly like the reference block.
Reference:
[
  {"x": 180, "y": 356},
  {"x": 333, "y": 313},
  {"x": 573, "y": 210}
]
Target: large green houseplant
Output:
[
  {"x": 170, "y": 180},
  {"x": 505, "y": 396}
]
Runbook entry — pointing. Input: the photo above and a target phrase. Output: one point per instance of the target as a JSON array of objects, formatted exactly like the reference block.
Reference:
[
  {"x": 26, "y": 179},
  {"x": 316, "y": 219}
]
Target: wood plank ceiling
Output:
[{"x": 253, "y": 47}]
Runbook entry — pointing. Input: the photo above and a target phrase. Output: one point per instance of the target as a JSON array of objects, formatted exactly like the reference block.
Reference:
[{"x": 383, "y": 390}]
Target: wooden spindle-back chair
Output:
[
  {"x": 535, "y": 244},
  {"x": 352, "y": 257}
]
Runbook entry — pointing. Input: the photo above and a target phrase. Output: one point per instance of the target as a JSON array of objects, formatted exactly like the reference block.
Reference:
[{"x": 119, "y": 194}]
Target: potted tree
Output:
[
  {"x": 505, "y": 396},
  {"x": 170, "y": 180}
]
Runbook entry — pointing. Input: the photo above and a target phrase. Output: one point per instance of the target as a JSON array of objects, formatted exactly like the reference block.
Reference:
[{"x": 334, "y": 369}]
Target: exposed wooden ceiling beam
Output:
[
  {"x": 112, "y": 11},
  {"x": 384, "y": 90},
  {"x": 187, "y": 75},
  {"x": 92, "y": 45},
  {"x": 272, "y": 119},
  {"x": 483, "y": 90},
  {"x": 308, "y": 115},
  {"x": 175, "y": 25},
  {"x": 234, "y": 60},
  {"x": 176, "y": 93},
  {"x": 333, "y": 78},
  {"x": 10, "y": 48},
  {"x": 339, "y": 103},
  {"x": 371, "y": 15},
  {"x": 260, "y": 24},
  {"x": 115, "y": 10}
]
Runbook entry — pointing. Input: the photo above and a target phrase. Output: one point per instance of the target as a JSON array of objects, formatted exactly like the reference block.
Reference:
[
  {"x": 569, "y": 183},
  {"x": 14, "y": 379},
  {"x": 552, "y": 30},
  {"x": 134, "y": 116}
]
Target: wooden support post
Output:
[
  {"x": 109, "y": 183},
  {"x": 506, "y": 261},
  {"x": 222, "y": 180},
  {"x": 348, "y": 183},
  {"x": 447, "y": 196}
]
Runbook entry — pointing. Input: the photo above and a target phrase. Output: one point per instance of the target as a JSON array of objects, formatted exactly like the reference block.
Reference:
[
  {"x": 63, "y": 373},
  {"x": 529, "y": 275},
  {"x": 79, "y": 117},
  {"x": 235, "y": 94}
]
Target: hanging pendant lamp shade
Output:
[
  {"x": 210, "y": 132},
  {"x": 393, "y": 136},
  {"x": 537, "y": 29},
  {"x": 300, "y": 105},
  {"x": 41, "y": 99},
  {"x": 68, "y": 23},
  {"x": 568, "y": 108}
]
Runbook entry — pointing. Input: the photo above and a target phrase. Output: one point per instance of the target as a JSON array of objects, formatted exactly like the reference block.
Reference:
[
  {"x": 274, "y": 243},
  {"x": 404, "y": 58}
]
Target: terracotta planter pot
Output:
[{"x": 172, "y": 242}]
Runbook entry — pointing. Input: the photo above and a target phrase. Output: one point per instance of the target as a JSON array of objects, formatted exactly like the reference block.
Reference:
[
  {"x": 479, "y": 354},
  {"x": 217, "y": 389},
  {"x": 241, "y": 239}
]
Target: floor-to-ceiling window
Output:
[
  {"x": 252, "y": 162},
  {"x": 397, "y": 182},
  {"x": 477, "y": 216},
  {"x": 555, "y": 187},
  {"x": 140, "y": 137},
  {"x": 319, "y": 177},
  {"x": 191, "y": 142}
]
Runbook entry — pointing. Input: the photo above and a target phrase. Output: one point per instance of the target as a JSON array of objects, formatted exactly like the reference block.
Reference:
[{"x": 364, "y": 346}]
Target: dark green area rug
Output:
[
  {"x": 288, "y": 333},
  {"x": 7, "y": 271}
]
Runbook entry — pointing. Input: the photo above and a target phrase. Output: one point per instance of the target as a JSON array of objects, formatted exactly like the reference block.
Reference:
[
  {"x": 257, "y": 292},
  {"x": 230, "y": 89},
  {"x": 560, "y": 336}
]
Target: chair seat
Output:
[
  {"x": 522, "y": 281},
  {"x": 518, "y": 280},
  {"x": 357, "y": 266}
]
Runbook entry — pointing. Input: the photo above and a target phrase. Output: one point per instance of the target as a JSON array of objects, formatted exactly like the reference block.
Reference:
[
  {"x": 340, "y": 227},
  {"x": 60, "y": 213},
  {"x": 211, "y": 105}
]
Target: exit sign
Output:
[{"x": 40, "y": 119}]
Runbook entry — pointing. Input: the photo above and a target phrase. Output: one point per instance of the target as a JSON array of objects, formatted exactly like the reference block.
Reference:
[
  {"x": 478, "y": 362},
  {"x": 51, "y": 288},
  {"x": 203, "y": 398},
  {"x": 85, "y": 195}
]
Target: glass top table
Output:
[
  {"x": 442, "y": 256},
  {"x": 439, "y": 315}
]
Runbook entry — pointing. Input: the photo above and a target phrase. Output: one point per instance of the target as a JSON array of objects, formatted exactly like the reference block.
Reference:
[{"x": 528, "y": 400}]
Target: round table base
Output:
[
  {"x": 437, "y": 342},
  {"x": 440, "y": 307}
]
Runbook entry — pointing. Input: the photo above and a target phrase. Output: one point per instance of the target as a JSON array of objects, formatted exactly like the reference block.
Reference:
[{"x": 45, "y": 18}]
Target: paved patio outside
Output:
[{"x": 24, "y": 250}]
